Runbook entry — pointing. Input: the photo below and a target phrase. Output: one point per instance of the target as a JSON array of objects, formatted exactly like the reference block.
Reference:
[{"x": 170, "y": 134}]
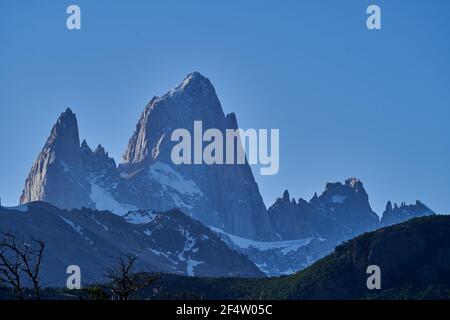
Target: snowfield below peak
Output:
[
  {"x": 243, "y": 243},
  {"x": 22, "y": 208},
  {"x": 140, "y": 217},
  {"x": 276, "y": 258},
  {"x": 105, "y": 201},
  {"x": 171, "y": 179}
]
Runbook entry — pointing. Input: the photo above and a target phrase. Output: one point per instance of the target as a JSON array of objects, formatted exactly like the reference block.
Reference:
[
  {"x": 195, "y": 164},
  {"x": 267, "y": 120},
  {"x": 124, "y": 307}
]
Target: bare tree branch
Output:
[
  {"x": 17, "y": 258},
  {"x": 123, "y": 279}
]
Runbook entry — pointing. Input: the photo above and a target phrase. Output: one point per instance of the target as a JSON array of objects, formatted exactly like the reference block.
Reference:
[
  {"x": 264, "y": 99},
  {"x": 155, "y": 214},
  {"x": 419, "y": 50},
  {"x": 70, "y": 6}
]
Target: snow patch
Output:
[
  {"x": 22, "y": 208},
  {"x": 163, "y": 254},
  {"x": 104, "y": 201},
  {"x": 284, "y": 246},
  {"x": 338, "y": 198},
  {"x": 78, "y": 229},
  {"x": 171, "y": 179},
  {"x": 179, "y": 203},
  {"x": 74, "y": 226},
  {"x": 99, "y": 223},
  {"x": 140, "y": 217},
  {"x": 188, "y": 246},
  {"x": 65, "y": 167}
]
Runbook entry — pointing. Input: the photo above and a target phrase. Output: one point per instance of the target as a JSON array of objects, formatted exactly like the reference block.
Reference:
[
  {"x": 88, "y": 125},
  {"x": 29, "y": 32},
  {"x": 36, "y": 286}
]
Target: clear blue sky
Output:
[{"x": 348, "y": 101}]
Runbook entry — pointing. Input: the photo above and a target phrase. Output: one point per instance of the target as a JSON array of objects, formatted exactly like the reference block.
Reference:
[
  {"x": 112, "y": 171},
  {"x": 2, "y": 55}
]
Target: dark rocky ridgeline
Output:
[
  {"x": 341, "y": 212},
  {"x": 166, "y": 242},
  {"x": 414, "y": 259},
  {"x": 419, "y": 271},
  {"x": 397, "y": 214}
]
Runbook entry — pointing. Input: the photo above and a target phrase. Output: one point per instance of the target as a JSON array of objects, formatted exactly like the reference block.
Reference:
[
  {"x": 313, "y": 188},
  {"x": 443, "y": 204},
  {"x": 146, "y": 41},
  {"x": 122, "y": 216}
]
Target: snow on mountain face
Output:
[
  {"x": 105, "y": 201},
  {"x": 71, "y": 175},
  {"x": 167, "y": 242},
  {"x": 243, "y": 243},
  {"x": 171, "y": 179},
  {"x": 277, "y": 258},
  {"x": 240, "y": 209},
  {"x": 140, "y": 217},
  {"x": 225, "y": 197},
  {"x": 175, "y": 184},
  {"x": 340, "y": 213}
]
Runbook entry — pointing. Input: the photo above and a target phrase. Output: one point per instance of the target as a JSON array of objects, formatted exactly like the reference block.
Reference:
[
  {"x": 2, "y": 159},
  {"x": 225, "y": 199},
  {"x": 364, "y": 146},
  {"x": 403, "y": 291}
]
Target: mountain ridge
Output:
[
  {"x": 164, "y": 242},
  {"x": 147, "y": 179},
  {"x": 70, "y": 174},
  {"x": 407, "y": 272}
]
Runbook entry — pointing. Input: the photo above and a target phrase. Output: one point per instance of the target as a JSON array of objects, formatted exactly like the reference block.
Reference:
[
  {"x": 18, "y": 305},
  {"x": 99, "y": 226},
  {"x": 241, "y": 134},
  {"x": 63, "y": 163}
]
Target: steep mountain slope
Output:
[
  {"x": 414, "y": 258},
  {"x": 224, "y": 196},
  {"x": 170, "y": 242},
  {"x": 58, "y": 175},
  {"x": 396, "y": 214},
  {"x": 287, "y": 237},
  {"x": 280, "y": 257},
  {"x": 73, "y": 176},
  {"x": 341, "y": 212}
]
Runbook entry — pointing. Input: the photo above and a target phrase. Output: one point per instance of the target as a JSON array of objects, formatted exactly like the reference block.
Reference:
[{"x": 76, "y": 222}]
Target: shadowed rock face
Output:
[
  {"x": 225, "y": 196},
  {"x": 395, "y": 214},
  {"x": 414, "y": 259},
  {"x": 168, "y": 242},
  {"x": 341, "y": 212},
  {"x": 58, "y": 175}
]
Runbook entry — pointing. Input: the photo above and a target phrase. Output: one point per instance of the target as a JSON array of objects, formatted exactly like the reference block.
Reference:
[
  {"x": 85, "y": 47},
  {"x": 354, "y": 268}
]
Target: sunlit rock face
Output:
[
  {"x": 58, "y": 174},
  {"x": 225, "y": 196}
]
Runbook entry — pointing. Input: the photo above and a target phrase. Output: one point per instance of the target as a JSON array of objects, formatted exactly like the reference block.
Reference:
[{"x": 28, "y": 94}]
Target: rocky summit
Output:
[
  {"x": 58, "y": 175},
  {"x": 287, "y": 237},
  {"x": 73, "y": 176},
  {"x": 397, "y": 214},
  {"x": 342, "y": 211}
]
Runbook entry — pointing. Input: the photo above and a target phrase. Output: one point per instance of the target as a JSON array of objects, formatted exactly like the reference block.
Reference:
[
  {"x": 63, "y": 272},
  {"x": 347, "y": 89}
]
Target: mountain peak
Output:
[
  {"x": 85, "y": 146},
  {"x": 194, "y": 82},
  {"x": 67, "y": 115},
  {"x": 231, "y": 121},
  {"x": 64, "y": 139},
  {"x": 150, "y": 149},
  {"x": 388, "y": 206},
  {"x": 100, "y": 150},
  {"x": 286, "y": 196},
  {"x": 68, "y": 111},
  {"x": 354, "y": 183},
  {"x": 404, "y": 212},
  {"x": 194, "y": 99},
  {"x": 58, "y": 176},
  {"x": 195, "y": 77}
]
